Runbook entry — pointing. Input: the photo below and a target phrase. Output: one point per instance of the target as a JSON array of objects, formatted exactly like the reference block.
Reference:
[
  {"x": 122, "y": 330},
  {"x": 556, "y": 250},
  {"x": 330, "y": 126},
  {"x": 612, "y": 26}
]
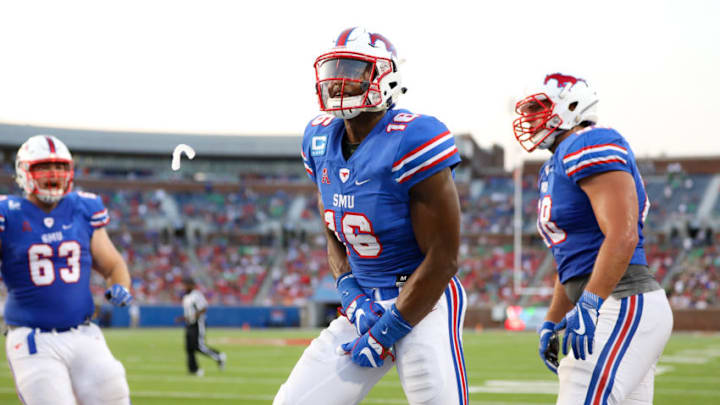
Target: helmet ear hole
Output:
[{"x": 573, "y": 106}]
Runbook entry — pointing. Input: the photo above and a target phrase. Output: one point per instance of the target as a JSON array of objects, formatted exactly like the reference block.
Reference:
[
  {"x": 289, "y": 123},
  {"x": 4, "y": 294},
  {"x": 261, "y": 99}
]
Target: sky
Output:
[{"x": 246, "y": 67}]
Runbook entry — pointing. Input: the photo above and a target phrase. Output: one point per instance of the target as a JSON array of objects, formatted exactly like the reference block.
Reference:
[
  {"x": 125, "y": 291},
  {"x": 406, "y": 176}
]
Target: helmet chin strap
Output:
[
  {"x": 48, "y": 196},
  {"x": 346, "y": 114},
  {"x": 547, "y": 142},
  {"x": 353, "y": 110},
  {"x": 550, "y": 140},
  {"x": 351, "y": 106},
  {"x": 49, "y": 199}
]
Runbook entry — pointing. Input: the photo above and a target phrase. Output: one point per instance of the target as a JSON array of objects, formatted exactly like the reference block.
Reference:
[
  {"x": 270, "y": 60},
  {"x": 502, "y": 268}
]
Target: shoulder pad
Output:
[
  {"x": 85, "y": 194},
  {"x": 593, "y": 150}
]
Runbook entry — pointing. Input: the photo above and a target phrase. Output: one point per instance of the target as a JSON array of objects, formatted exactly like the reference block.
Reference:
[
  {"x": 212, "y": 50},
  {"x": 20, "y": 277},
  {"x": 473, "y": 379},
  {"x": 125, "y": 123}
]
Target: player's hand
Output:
[
  {"x": 549, "y": 345},
  {"x": 580, "y": 324},
  {"x": 118, "y": 295},
  {"x": 372, "y": 348},
  {"x": 357, "y": 307}
]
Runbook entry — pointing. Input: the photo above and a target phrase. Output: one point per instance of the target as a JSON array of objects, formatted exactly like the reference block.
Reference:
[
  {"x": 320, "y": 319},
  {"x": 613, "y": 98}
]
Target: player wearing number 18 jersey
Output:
[
  {"x": 49, "y": 241},
  {"x": 389, "y": 203},
  {"x": 591, "y": 209}
]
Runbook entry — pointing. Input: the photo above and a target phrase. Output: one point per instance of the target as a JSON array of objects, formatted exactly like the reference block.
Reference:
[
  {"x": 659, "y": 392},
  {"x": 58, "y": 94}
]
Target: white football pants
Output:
[
  {"x": 630, "y": 336},
  {"x": 429, "y": 361},
  {"x": 69, "y": 368}
]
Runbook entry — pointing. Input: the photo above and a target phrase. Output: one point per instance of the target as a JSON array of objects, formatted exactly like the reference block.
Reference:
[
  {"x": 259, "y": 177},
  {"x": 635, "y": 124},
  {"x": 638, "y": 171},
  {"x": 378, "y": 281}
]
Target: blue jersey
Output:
[
  {"x": 566, "y": 220},
  {"x": 46, "y": 259},
  {"x": 366, "y": 197}
]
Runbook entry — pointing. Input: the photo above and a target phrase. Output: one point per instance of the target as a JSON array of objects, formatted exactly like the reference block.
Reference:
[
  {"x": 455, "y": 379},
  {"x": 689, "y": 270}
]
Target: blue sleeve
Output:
[
  {"x": 596, "y": 150},
  {"x": 307, "y": 160},
  {"x": 315, "y": 142},
  {"x": 94, "y": 210},
  {"x": 3, "y": 215},
  {"x": 426, "y": 148}
]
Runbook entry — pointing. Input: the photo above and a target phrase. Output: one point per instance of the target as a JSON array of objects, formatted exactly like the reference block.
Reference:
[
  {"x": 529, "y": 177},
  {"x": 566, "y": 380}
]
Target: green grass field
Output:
[{"x": 503, "y": 368}]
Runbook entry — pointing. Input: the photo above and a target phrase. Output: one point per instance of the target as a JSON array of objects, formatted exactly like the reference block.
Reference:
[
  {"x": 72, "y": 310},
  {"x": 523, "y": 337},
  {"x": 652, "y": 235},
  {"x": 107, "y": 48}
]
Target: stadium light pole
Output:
[
  {"x": 517, "y": 229},
  {"x": 518, "y": 288}
]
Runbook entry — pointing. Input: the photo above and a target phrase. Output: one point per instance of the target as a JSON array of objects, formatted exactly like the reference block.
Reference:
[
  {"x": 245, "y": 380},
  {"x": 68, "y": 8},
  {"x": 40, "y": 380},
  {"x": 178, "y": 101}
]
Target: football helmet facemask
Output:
[
  {"x": 44, "y": 167},
  {"x": 360, "y": 73},
  {"x": 562, "y": 103}
]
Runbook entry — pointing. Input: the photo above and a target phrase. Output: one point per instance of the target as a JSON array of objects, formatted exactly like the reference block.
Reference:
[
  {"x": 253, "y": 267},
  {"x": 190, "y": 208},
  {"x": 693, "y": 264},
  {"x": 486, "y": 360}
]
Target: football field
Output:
[{"x": 503, "y": 368}]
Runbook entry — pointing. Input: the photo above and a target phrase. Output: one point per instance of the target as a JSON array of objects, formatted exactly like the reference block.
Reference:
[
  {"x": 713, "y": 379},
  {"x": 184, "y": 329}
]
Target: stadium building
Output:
[{"x": 241, "y": 218}]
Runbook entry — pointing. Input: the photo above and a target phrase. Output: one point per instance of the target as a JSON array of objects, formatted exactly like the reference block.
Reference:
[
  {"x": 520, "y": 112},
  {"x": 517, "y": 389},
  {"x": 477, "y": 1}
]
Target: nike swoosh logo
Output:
[
  {"x": 360, "y": 183},
  {"x": 384, "y": 331},
  {"x": 366, "y": 351},
  {"x": 581, "y": 329},
  {"x": 358, "y": 319},
  {"x": 67, "y": 226}
]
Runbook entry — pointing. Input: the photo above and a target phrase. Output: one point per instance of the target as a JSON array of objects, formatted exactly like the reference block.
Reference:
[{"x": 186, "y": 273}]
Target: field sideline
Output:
[{"x": 503, "y": 368}]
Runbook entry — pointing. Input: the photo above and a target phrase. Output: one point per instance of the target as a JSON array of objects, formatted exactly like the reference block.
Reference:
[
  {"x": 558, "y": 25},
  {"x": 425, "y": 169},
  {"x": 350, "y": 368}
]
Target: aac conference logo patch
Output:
[{"x": 318, "y": 145}]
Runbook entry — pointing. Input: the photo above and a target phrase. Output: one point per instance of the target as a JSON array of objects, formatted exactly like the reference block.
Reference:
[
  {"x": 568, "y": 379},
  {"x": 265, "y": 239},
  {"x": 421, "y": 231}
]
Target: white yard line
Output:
[{"x": 249, "y": 397}]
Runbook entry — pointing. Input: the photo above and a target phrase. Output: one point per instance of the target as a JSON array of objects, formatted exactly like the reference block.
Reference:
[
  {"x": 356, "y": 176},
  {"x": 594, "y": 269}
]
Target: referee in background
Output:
[{"x": 194, "y": 308}]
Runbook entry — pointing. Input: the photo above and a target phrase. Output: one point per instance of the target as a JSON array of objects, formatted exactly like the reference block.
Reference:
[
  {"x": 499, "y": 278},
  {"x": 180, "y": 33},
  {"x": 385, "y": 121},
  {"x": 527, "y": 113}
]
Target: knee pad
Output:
[
  {"x": 421, "y": 378},
  {"x": 109, "y": 388}
]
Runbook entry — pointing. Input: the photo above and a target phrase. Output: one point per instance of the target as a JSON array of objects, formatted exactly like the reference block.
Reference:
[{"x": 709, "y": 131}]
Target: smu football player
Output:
[
  {"x": 592, "y": 206},
  {"x": 50, "y": 239},
  {"x": 389, "y": 202}
]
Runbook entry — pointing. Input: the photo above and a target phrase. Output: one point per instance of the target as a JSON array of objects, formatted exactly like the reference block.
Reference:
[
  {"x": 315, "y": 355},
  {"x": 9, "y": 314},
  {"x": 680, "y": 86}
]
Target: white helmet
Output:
[
  {"x": 562, "y": 103},
  {"x": 361, "y": 63},
  {"x": 44, "y": 149}
]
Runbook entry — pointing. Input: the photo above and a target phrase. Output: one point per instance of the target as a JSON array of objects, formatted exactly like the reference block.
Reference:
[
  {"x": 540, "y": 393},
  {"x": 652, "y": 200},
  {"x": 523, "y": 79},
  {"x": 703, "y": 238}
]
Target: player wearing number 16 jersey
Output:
[
  {"x": 388, "y": 200},
  {"x": 49, "y": 241},
  {"x": 591, "y": 209}
]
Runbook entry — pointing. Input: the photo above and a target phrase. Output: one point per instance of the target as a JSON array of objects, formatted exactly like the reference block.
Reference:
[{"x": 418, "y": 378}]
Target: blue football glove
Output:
[
  {"x": 371, "y": 349},
  {"x": 549, "y": 346},
  {"x": 118, "y": 295},
  {"x": 357, "y": 307},
  {"x": 579, "y": 325}
]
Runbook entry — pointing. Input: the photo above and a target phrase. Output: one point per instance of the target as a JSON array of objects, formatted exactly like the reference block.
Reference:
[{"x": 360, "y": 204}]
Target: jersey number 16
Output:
[{"x": 358, "y": 233}]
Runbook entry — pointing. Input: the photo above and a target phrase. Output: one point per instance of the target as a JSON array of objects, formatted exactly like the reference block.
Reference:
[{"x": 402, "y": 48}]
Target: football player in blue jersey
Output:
[
  {"x": 389, "y": 202},
  {"x": 49, "y": 241},
  {"x": 591, "y": 209}
]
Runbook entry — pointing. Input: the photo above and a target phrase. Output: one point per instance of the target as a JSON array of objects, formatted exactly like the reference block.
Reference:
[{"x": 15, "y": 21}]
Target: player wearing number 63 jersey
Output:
[
  {"x": 49, "y": 241},
  {"x": 388, "y": 200},
  {"x": 591, "y": 209}
]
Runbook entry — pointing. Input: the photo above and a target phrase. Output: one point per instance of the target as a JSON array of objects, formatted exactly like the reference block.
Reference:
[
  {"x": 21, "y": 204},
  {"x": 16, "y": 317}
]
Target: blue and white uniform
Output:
[
  {"x": 46, "y": 265},
  {"x": 566, "y": 221},
  {"x": 366, "y": 202},
  {"x": 46, "y": 260},
  {"x": 366, "y": 197},
  {"x": 635, "y": 321}
]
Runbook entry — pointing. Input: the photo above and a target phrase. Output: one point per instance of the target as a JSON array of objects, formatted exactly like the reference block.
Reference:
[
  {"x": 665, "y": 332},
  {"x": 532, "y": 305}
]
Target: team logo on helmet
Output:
[
  {"x": 562, "y": 80},
  {"x": 388, "y": 45}
]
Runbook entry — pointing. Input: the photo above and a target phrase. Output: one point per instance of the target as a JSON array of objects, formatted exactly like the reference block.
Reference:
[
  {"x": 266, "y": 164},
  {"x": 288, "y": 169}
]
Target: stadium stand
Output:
[{"x": 242, "y": 219}]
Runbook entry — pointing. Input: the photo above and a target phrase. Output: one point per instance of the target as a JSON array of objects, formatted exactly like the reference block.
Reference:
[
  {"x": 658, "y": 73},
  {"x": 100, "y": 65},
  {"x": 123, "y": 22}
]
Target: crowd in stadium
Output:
[{"x": 234, "y": 274}]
